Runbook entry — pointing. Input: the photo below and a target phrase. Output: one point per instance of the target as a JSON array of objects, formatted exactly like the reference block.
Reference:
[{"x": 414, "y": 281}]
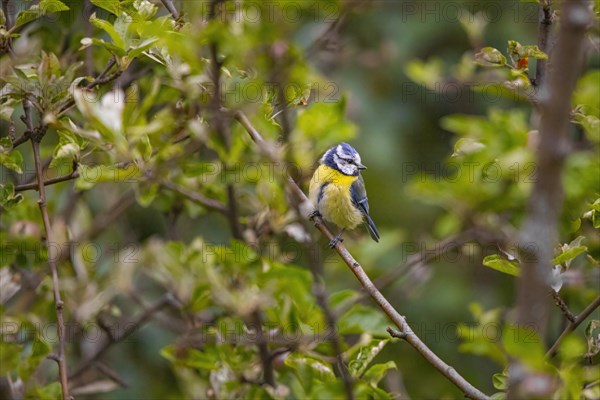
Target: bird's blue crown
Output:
[{"x": 343, "y": 158}]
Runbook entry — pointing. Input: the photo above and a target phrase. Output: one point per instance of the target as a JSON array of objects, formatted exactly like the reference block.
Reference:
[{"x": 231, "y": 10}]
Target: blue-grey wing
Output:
[{"x": 358, "y": 193}]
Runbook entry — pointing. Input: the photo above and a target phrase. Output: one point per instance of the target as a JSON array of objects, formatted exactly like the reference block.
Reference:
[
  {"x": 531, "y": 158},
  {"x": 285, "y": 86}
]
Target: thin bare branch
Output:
[
  {"x": 220, "y": 121},
  {"x": 560, "y": 303},
  {"x": 544, "y": 27},
  {"x": 171, "y": 8},
  {"x": 36, "y": 134},
  {"x": 109, "y": 372},
  {"x": 572, "y": 325},
  {"x": 450, "y": 373},
  {"x": 102, "y": 78},
  {"x": 166, "y": 299},
  {"x": 263, "y": 350},
  {"x": 52, "y": 181},
  {"x": 196, "y": 197}
]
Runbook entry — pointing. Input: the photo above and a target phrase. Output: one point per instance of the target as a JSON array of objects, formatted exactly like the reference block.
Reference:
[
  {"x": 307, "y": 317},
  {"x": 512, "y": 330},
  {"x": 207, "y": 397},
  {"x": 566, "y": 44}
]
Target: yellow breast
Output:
[{"x": 336, "y": 203}]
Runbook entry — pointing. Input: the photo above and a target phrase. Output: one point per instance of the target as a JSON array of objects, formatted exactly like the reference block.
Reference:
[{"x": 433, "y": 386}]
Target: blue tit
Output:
[{"x": 338, "y": 191}]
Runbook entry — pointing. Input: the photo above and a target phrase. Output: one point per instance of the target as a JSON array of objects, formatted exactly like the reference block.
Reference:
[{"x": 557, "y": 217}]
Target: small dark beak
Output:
[{"x": 360, "y": 166}]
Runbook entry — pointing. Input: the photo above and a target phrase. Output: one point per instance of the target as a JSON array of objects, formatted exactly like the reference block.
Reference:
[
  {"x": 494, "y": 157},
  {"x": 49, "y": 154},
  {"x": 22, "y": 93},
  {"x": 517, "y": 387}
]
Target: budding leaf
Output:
[
  {"x": 532, "y": 51},
  {"x": 360, "y": 361},
  {"x": 39, "y": 10},
  {"x": 490, "y": 57},
  {"x": 374, "y": 374},
  {"x": 497, "y": 262},
  {"x": 569, "y": 252},
  {"x": 108, "y": 28},
  {"x": 11, "y": 159}
]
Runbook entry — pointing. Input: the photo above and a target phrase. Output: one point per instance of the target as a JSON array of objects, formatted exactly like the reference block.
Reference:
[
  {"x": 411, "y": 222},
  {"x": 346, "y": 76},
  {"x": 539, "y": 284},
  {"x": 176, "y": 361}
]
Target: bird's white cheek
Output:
[{"x": 347, "y": 168}]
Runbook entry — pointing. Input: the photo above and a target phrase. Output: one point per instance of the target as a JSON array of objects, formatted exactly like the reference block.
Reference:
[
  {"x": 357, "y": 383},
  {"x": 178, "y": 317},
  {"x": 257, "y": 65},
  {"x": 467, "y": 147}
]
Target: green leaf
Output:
[
  {"x": 112, "y": 6},
  {"x": 39, "y": 350},
  {"x": 362, "y": 319},
  {"x": 533, "y": 51},
  {"x": 569, "y": 252},
  {"x": 12, "y": 160},
  {"x": 67, "y": 151},
  {"x": 310, "y": 370},
  {"x": 145, "y": 193},
  {"x": 524, "y": 344},
  {"x": 587, "y": 93},
  {"x": 8, "y": 198},
  {"x": 427, "y": 73},
  {"x": 465, "y": 146},
  {"x": 136, "y": 51},
  {"x": 490, "y": 57},
  {"x": 111, "y": 48},
  {"x": 108, "y": 28},
  {"x": 38, "y": 10},
  {"x": 359, "y": 361},
  {"x": 48, "y": 392},
  {"x": 49, "y": 67},
  {"x": 591, "y": 126},
  {"x": 500, "y": 381},
  {"x": 499, "y": 263},
  {"x": 374, "y": 374},
  {"x": 9, "y": 355}
]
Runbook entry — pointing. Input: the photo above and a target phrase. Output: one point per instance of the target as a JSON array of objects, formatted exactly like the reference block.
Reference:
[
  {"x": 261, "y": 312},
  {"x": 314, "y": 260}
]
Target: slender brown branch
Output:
[
  {"x": 220, "y": 121},
  {"x": 109, "y": 372},
  {"x": 539, "y": 232},
  {"x": 7, "y": 13},
  {"x": 102, "y": 78},
  {"x": 129, "y": 328},
  {"x": 36, "y": 136},
  {"x": 544, "y": 27},
  {"x": 453, "y": 376},
  {"x": 560, "y": 303},
  {"x": 572, "y": 325},
  {"x": 52, "y": 181},
  {"x": 24, "y": 138},
  {"x": 196, "y": 197},
  {"x": 325, "y": 39},
  {"x": 263, "y": 350},
  {"x": 171, "y": 8},
  {"x": 397, "y": 334},
  {"x": 330, "y": 319}
]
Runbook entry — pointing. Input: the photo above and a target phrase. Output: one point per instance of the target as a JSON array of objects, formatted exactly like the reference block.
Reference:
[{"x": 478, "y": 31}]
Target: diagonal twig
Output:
[
  {"x": 166, "y": 299},
  {"x": 572, "y": 325},
  {"x": 453, "y": 376},
  {"x": 196, "y": 197},
  {"x": 36, "y": 134}
]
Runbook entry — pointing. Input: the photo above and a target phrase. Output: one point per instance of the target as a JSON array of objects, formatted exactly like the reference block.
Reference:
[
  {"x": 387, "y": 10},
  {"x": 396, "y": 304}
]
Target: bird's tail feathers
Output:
[{"x": 372, "y": 229}]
